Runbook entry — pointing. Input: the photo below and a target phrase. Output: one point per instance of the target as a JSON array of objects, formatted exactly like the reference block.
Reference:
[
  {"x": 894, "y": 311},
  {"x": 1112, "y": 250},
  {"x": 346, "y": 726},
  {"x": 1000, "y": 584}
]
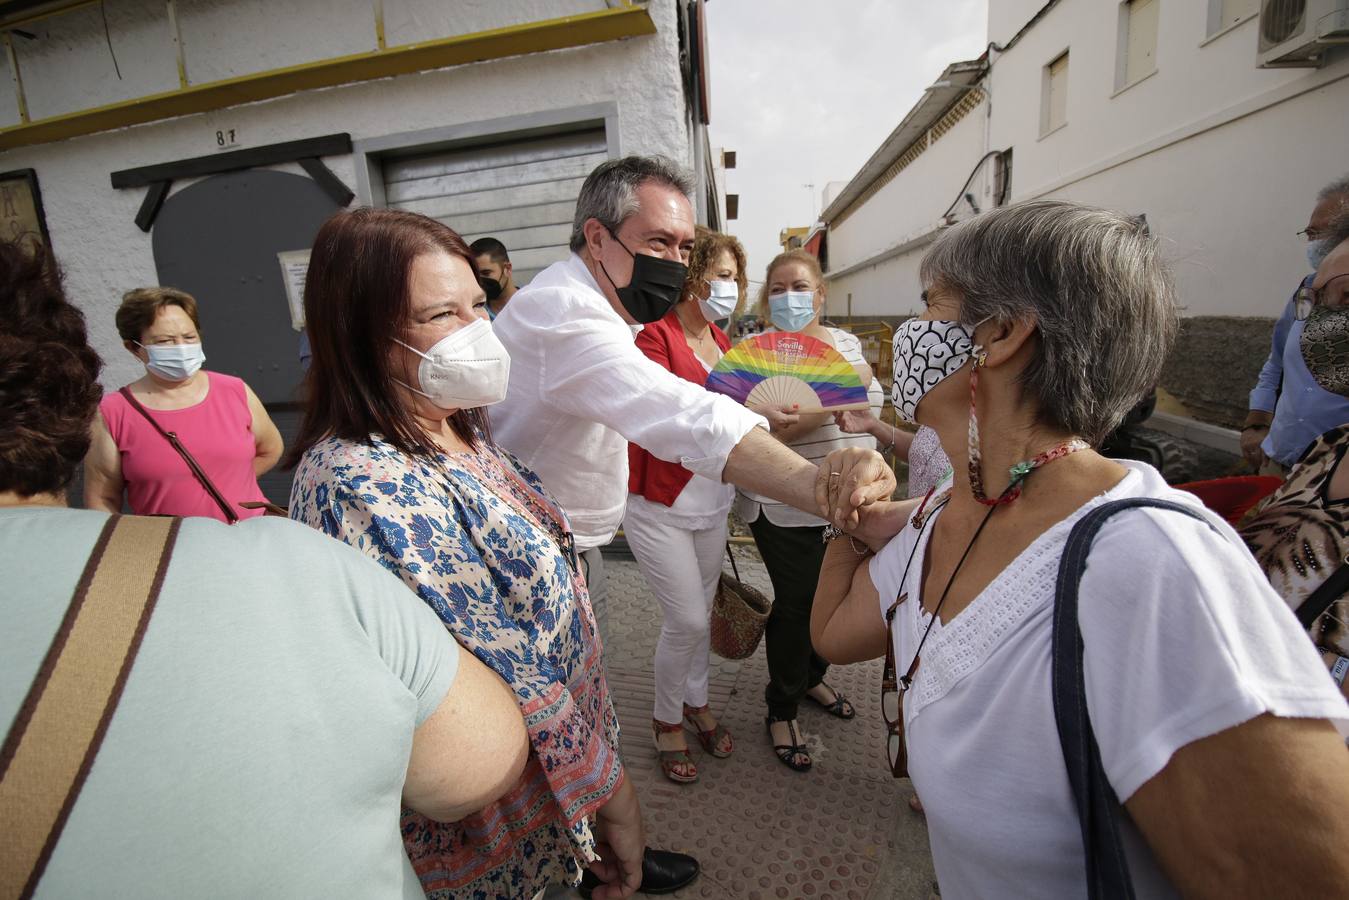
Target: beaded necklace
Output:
[{"x": 1018, "y": 472}]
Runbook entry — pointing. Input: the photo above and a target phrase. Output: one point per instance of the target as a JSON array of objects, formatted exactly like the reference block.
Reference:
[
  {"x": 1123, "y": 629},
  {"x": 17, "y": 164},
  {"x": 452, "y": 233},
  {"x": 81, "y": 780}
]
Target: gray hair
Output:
[
  {"x": 1094, "y": 284},
  {"x": 1338, "y": 232},
  {"x": 610, "y": 192},
  {"x": 1337, "y": 188}
]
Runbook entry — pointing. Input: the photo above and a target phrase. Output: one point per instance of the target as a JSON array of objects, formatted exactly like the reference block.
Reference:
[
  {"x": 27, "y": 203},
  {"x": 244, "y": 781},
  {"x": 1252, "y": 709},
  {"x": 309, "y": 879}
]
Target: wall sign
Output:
[
  {"x": 225, "y": 139},
  {"x": 294, "y": 268},
  {"x": 21, "y": 216}
]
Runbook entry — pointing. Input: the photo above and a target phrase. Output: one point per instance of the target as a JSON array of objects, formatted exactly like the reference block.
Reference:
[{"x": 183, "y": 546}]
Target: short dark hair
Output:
[
  {"x": 140, "y": 307},
  {"x": 491, "y": 247},
  {"x": 357, "y": 302},
  {"x": 49, "y": 387}
]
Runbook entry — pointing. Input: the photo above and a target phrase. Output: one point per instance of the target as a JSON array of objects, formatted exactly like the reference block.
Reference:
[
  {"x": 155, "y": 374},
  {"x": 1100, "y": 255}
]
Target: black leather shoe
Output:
[{"x": 663, "y": 872}]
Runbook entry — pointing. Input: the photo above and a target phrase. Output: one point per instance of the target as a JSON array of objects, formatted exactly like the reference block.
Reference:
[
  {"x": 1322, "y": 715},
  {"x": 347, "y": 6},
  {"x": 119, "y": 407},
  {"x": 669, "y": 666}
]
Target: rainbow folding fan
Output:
[{"x": 781, "y": 368}]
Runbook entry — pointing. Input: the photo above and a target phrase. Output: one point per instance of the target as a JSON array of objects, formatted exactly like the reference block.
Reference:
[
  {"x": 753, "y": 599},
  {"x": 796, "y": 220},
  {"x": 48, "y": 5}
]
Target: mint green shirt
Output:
[{"x": 261, "y": 743}]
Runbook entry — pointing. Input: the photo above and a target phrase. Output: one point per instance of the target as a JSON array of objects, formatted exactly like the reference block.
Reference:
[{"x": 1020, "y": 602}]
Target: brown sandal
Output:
[
  {"x": 712, "y": 739},
  {"x": 669, "y": 759}
]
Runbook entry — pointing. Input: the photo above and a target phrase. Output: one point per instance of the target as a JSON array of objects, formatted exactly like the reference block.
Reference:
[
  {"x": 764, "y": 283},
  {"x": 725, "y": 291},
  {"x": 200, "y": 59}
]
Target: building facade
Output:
[
  {"x": 1152, "y": 107},
  {"x": 201, "y": 144}
]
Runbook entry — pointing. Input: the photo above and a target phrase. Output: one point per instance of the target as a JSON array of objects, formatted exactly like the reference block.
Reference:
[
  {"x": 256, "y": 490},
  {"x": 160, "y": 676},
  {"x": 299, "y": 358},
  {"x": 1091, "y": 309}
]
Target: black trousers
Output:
[{"x": 793, "y": 557}]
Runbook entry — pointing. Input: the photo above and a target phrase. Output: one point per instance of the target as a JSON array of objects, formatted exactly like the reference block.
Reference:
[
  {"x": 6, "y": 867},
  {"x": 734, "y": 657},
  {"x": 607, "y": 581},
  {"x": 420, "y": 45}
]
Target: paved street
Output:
[{"x": 762, "y": 831}]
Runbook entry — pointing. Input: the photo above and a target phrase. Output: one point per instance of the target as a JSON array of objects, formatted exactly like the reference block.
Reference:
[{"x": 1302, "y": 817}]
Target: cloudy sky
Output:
[{"x": 805, "y": 91}]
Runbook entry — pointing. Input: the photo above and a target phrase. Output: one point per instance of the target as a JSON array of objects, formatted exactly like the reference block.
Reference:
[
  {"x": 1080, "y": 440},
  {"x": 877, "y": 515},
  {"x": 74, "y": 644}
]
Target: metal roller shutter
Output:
[{"x": 523, "y": 193}]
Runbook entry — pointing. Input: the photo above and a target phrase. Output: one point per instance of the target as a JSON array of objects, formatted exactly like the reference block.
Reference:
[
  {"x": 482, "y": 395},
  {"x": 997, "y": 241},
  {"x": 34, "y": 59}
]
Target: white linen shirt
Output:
[
  {"x": 1183, "y": 637},
  {"x": 580, "y": 390}
]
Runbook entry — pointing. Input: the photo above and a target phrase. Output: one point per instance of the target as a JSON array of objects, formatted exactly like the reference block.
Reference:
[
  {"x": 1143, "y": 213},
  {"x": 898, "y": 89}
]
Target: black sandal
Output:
[
  {"x": 790, "y": 754},
  {"x": 841, "y": 708}
]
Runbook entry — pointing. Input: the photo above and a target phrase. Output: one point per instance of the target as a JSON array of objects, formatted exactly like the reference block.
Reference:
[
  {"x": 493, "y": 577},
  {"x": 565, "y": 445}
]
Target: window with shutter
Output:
[
  {"x": 1054, "y": 96},
  {"x": 1223, "y": 14},
  {"x": 1138, "y": 44}
]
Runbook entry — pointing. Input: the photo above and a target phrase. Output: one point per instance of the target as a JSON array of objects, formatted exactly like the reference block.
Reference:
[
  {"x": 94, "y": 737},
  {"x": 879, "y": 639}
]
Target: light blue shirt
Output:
[{"x": 1303, "y": 410}]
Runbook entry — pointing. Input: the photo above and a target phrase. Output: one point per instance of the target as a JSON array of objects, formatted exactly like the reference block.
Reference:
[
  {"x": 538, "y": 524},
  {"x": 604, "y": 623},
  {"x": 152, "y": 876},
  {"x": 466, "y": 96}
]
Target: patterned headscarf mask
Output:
[
  {"x": 925, "y": 353},
  {"x": 1325, "y": 348}
]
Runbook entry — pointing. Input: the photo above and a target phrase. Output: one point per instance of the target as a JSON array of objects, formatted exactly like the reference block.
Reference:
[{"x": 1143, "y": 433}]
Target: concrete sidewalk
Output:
[{"x": 762, "y": 831}]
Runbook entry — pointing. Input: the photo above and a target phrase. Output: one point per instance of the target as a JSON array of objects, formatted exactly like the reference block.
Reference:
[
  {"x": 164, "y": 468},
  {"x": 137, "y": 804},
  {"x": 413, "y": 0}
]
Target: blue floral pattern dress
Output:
[{"x": 478, "y": 539}]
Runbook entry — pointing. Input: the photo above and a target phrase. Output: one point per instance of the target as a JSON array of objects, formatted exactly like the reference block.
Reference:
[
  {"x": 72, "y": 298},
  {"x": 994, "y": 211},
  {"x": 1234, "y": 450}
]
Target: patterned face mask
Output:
[
  {"x": 925, "y": 353},
  {"x": 1325, "y": 347}
]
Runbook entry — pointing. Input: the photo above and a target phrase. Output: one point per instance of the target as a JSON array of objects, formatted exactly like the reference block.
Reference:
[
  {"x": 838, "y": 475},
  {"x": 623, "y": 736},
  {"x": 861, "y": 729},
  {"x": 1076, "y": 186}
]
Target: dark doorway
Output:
[{"x": 218, "y": 240}]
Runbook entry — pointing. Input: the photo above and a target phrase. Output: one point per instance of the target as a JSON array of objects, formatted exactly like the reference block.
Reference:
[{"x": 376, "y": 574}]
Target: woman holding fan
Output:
[{"x": 790, "y": 540}]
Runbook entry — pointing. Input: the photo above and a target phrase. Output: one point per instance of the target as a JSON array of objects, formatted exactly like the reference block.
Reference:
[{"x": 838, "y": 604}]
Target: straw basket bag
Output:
[{"x": 739, "y": 614}]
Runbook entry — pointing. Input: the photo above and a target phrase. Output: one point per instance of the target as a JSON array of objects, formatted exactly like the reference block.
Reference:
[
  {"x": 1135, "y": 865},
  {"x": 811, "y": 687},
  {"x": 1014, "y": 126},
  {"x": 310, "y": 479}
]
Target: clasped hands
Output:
[{"x": 852, "y": 488}]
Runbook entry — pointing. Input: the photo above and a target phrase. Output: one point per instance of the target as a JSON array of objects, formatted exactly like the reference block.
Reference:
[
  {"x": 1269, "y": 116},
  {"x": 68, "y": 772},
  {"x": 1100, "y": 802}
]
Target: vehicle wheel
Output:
[{"x": 1179, "y": 457}]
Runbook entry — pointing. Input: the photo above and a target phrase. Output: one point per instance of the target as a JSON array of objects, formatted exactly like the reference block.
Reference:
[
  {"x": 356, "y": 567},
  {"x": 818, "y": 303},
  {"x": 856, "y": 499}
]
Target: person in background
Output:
[
  {"x": 789, "y": 540},
  {"x": 1288, "y": 409},
  {"x": 1300, "y": 533},
  {"x": 495, "y": 273},
  {"x": 394, "y": 458},
  {"x": 287, "y": 698},
  {"x": 580, "y": 389},
  {"x": 217, "y": 418},
  {"x": 1045, "y": 323},
  {"x": 675, "y": 521}
]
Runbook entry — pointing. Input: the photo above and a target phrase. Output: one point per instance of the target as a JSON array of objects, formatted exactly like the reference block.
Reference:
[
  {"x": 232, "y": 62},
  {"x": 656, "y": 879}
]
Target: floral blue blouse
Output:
[{"x": 479, "y": 540}]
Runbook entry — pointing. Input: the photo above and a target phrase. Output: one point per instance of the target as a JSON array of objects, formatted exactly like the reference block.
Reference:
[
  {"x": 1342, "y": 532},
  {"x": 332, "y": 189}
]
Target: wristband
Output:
[
  {"x": 1340, "y": 670},
  {"x": 1255, "y": 427}
]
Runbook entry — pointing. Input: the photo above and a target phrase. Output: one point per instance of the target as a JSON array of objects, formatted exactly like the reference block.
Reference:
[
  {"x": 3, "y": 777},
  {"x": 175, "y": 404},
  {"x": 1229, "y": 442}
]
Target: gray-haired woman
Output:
[{"x": 1044, "y": 323}]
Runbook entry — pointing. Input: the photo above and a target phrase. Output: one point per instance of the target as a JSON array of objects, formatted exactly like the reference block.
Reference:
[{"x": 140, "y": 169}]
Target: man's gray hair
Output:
[
  {"x": 1094, "y": 284},
  {"x": 610, "y": 192},
  {"x": 1337, "y": 188},
  {"x": 1338, "y": 232}
]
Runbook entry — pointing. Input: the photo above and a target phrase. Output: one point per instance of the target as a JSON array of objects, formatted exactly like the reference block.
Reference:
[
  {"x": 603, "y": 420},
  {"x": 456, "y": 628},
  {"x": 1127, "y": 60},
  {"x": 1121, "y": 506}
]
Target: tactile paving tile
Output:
[{"x": 761, "y": 831}]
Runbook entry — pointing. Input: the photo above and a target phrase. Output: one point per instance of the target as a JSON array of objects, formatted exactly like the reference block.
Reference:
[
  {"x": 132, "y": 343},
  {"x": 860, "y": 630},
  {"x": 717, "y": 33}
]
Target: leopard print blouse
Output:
[{"x": 1299, "y": 536}]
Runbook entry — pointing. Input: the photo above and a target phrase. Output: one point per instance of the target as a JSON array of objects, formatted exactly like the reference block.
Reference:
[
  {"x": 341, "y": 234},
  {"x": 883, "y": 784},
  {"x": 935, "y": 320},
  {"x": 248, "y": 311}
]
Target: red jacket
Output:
[{"x": 663, "y": 341}]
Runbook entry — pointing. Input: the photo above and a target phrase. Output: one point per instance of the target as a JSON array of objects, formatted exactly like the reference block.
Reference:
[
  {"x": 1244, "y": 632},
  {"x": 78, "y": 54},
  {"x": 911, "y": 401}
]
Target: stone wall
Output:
[{"x": 1215, "y": 363}]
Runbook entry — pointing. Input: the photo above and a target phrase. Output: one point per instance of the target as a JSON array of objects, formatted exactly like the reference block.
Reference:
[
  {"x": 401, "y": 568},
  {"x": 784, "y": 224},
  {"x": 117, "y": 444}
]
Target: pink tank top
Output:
[{"x": 217, "y": 432}]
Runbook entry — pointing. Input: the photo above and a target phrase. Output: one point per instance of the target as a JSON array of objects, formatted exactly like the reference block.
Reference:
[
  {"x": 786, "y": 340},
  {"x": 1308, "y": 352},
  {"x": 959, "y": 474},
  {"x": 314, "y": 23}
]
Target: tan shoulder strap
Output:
[{"x": 51, "y": 747}]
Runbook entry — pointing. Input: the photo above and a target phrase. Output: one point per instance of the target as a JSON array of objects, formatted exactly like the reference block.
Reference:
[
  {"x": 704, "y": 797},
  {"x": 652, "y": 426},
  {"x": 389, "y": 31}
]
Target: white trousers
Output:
[{"x": 682, "y": 568}]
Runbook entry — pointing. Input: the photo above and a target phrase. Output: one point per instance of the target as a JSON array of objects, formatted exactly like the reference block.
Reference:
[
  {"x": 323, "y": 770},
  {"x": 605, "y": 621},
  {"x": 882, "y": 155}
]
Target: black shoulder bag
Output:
[{"x": 1098, "y": 809}]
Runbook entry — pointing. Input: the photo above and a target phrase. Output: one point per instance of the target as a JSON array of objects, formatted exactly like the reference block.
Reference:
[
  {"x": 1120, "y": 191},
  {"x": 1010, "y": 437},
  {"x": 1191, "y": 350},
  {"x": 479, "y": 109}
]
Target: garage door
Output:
[{"x": 523, "y": 193}]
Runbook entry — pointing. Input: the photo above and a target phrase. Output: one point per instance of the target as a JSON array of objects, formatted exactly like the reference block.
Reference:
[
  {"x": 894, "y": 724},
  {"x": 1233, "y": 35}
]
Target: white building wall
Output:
[
  {"x": 94, "y": 237},
  {"x": 1225, "y": 158},
  {"x": 903, "y": 211}
]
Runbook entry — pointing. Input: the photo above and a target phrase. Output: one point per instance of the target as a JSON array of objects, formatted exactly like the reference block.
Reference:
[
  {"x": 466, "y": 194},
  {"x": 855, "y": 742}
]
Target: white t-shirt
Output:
[
  {"x": 580, "y": 390},
  {"x": 1183, "y": 637},
  {"x": 815, "y": 446}
]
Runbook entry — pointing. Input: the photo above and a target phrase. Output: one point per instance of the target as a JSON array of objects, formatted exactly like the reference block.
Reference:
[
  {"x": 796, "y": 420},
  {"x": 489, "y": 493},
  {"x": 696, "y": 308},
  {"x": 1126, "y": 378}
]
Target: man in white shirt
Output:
[{"x": 580, "y": 389}]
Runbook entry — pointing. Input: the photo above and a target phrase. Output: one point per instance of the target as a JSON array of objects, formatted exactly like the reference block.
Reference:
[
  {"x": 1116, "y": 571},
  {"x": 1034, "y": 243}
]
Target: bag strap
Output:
[
  {"x": 230, "y": 515},
  {"x": 734, "y": 567},
  {"x": 1098, "y": 809},
  {"x": 54, "y": 739},
  {"x": 1319, "y": 600}
]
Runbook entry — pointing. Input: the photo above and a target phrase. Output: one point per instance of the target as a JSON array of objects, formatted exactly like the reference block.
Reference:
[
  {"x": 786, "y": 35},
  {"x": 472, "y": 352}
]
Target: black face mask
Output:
[
  {"x": 491, "y": 287},
  {"x": 656, "y": 285}
]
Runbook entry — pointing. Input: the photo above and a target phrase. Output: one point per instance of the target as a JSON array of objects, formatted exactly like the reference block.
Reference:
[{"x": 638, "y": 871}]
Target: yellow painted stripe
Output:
[{"x": 514, "y": 40}]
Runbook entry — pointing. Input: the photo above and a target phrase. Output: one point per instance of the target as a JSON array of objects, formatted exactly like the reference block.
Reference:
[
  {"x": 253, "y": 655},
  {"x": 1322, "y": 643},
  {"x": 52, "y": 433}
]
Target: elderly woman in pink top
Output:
[{"x": 216, "y": 418}]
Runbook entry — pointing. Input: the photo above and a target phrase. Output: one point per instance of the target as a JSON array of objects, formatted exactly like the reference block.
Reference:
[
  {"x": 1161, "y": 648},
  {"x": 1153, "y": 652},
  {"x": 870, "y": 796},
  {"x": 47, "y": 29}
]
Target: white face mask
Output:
[
  {"x": 721, "y": 300},
  {"x": 174, "y": 362},
  {"x": 926, "y": 352},
  {"x": 465, "y": 369}
]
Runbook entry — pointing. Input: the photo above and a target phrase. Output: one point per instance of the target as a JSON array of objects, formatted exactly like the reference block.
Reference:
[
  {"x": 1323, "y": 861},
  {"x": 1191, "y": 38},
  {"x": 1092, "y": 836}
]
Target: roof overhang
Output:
[{"x": 957, "y": 79}]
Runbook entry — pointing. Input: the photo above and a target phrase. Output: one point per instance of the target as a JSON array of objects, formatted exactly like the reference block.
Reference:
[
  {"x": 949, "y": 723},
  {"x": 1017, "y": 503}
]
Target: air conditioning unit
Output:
[{"x": 1297, "y": 32}]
